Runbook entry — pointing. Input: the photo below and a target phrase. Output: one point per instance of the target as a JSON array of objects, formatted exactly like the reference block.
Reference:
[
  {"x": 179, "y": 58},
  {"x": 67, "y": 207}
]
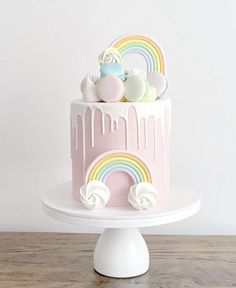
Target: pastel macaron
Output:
[
  {"x": 157, "y": 80},
  {"x": 151, "y": 95},
  {"x": 113, "y": 69},
  {"x": 135, "y": 88},
  {"x": 110, "y": 89}
]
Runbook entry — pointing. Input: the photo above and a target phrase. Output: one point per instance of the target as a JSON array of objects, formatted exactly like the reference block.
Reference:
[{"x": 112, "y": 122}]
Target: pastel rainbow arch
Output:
[
  {"x": 142, "y": 45},
  {"x": 103, "y": 166}
]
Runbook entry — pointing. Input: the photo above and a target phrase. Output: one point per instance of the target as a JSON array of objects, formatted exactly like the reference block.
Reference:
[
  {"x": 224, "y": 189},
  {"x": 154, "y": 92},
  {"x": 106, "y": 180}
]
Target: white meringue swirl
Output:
[
  {"x": 143, "y": 196},
  {"x": 89, "y": 89},
  {"x": 110, "y": 55},
  {"x": 94, "y": 195}
]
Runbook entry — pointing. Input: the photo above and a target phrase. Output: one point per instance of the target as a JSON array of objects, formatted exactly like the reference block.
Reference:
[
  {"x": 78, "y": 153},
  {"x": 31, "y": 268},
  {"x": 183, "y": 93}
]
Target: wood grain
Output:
[{"x": 51, "y": 260}]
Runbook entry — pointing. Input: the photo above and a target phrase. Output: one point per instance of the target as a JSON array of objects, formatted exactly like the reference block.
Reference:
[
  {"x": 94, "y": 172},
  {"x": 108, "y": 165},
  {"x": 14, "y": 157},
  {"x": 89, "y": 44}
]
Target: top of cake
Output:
[{"x": 117, "y": 83}]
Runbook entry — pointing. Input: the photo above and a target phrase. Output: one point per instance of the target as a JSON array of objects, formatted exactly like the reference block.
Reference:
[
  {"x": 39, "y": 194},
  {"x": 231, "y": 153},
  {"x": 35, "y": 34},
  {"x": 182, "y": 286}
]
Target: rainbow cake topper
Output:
[
  {"x": 117, "y": 83},
  {"x": 103, "y": 166},
  {"x": 142, "y": 45}
]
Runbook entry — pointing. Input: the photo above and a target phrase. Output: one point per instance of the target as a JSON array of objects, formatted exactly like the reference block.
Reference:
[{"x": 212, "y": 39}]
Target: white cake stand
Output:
[{"x": 121, "y": 250}]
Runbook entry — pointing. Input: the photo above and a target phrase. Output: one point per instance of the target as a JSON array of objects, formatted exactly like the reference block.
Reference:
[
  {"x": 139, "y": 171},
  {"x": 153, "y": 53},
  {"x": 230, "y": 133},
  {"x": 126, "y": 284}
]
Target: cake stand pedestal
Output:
[{"x": 121, "y": 250}]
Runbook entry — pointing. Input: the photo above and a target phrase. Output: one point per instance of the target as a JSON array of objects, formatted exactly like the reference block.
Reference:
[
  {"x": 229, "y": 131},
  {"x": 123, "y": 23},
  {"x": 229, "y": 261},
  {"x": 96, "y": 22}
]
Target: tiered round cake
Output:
[{"x": 120, "y": 131}]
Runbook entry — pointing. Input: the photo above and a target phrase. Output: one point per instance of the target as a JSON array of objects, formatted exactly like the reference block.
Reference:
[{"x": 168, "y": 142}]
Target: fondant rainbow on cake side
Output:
[
  {"x": 119, "y": 161},
  {"x": 120, "y": 131}
]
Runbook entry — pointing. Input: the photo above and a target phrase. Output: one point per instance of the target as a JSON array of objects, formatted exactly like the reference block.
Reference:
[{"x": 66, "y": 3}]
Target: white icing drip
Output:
[
  {"x": 72, "y": 137},
  {"x": 117, "y": 110},
  {"x": 112, "y": 126},
  {"x": 162, "y": 116},
  {"x": 117, "y": 124},
  {"x": 155, "y": 138},
  {"x": 103, "y": 123},
  {"x": 127, "y": 133},
  {"x": 145, "y": 131},
  {"x": 169, "y": 119},
  {"x": 92, "y": 127},
  {"x": 167, "y": 131},
  {"x": 84, "y": 145},
  {"x": 76, "y": 137},
  {"x": 138, "y": 133},
  {"x": 164, "y": 158}
]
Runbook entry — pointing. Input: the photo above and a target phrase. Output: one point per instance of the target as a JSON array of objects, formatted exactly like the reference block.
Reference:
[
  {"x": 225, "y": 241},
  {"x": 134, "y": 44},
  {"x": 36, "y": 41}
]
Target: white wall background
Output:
[{"x": 46, "y": 47}]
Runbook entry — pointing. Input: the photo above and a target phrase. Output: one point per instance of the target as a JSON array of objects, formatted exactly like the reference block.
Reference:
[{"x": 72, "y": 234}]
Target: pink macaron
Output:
[{"x": 110, "y": 88}]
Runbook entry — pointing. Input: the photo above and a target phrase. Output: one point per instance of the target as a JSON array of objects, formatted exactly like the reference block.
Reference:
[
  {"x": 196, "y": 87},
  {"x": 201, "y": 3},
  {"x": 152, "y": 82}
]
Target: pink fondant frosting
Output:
[{"x": 141, "y": 128}]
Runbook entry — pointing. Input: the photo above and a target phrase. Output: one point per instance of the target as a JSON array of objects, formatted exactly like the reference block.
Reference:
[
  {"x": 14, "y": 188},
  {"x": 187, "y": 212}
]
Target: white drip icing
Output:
[
  {"x": 117, "y": 124},
  {"x": 92, "y": 127},
  {"x": 76, "y": 136},
  {"x": 84, "y": 145},
  {"x": 103, "y": 123},
  {"x": 72, "y": 137},
  {"x": 164, "y": 160},
  {"x": 112, "y": 126},
  {"x": 166, "y": 133},
  {"x": 138, "y": 134},
  {"x": 169, "y": 119},
  {"x": 120, "y": 109},
  {"x": 145, "y": 134},
  {"x": 127, "y": 133},
  {"x": 155, "y": 139}
]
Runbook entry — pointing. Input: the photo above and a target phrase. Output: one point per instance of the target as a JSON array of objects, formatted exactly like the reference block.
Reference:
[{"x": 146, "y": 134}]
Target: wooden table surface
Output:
[{"x": 44, "y": 260}]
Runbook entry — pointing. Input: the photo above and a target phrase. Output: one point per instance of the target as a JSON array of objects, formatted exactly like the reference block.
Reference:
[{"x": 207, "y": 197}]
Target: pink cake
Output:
[{"x": 120, "y": 131}]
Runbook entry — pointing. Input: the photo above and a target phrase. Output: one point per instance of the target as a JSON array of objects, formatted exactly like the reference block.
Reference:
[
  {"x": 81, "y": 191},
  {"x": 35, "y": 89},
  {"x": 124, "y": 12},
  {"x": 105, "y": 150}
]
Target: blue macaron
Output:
[{"x": 115, "y": 69}]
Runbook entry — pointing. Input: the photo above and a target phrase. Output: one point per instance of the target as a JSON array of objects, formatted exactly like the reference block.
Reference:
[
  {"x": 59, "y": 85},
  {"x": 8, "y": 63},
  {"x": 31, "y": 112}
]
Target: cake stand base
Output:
[{"x": 121, "y": 252}]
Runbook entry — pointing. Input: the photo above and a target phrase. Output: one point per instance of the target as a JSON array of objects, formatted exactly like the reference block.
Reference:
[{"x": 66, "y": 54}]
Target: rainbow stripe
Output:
[
  {"x": 142, "y": 45},
  {"x": 102, "y": 167}
]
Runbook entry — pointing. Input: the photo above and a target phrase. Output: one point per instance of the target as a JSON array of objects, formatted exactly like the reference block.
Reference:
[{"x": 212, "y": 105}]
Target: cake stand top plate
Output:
[{"x": 59, "y": 204}]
